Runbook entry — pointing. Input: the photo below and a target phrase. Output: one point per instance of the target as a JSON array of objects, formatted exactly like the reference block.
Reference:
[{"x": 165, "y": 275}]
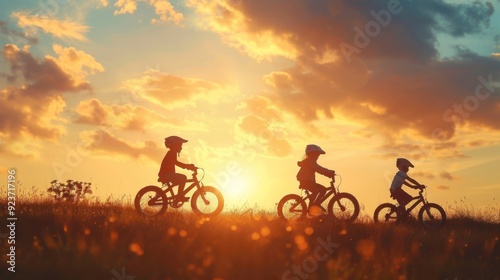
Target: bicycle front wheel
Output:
[
  {"x": 207, "y": 202},
  {"x": 386, "y": 213},
  {"x": 344, "y": 207},
  {"x": 432, "y": 216},
  {"x": 292, "y": 206},
  {"x": 150, "y": 201}
]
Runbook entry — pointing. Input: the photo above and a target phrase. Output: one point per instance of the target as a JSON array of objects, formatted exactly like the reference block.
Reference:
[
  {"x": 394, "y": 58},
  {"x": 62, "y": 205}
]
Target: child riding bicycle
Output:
[
  {"x": 400, "y": 179},
  {"x": 307, "y": 174},
  {"x": 167, "y": 169}
]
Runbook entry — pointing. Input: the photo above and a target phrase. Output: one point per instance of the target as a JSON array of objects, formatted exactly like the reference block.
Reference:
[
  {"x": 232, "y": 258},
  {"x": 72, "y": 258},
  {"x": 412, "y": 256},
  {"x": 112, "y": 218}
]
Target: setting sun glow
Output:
[{"x": 90, "y": 89}]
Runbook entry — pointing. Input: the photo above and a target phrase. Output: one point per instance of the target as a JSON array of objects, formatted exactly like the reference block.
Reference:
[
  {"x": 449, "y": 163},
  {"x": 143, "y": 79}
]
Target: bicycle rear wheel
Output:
[
  {"x": 344, "y": 207},
  {"x": 207, "y": 202},
  {"x": 150, "y": 201},
  {"x": 386, "y": 213},
  {"x": 432, "y": 216},
  {"x": 292, "y": 206}
]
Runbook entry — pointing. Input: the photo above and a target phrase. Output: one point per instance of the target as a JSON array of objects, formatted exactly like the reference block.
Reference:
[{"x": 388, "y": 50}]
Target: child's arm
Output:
[
  {"x": 324, "y": 171},
  {"x": 415, "y": 185},
  {"x": 185, "y": 165}
]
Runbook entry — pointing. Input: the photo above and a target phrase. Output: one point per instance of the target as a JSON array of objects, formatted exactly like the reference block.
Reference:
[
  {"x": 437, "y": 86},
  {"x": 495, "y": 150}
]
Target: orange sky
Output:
[{"x": 89, "y": 90}]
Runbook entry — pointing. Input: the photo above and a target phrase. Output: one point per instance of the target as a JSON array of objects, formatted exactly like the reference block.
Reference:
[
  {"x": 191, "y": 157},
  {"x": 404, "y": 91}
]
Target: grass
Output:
[{"x": 109, "y": 240}]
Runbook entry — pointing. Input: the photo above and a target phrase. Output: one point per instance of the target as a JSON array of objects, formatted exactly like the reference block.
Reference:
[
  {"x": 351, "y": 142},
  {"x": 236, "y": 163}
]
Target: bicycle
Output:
[
  {"x": 206, "y": 201},
  {"x": 431, "y": 215},
  {"x": 342, "y": 206}
]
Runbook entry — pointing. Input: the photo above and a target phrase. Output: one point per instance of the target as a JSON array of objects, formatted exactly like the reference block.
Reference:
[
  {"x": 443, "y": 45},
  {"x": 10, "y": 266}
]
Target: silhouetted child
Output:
[
  {"x": 167, "y": 169},
  {"x": 307, "y": 174},
  {"x": 402, "y": 178}
]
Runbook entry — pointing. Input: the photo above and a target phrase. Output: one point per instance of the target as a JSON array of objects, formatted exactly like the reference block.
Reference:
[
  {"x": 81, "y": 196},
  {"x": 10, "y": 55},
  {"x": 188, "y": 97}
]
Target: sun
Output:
[{"x": 238, "y": 187}]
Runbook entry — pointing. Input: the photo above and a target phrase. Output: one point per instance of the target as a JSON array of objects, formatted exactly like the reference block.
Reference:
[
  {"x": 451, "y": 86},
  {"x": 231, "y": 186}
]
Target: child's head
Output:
[
  {"x": 403, "y": 164},
  {"x": 174, "y": 143},
  {"x": 313, "y": 151}
]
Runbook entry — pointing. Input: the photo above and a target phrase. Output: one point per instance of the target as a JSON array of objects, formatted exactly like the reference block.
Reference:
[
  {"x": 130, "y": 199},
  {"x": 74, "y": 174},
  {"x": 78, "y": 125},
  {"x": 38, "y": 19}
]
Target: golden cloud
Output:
[
  {"x": 166, "y": 12},
  {"x": 103, "y": 3},
  {"x": 233, "y": 25},
  {"x": 76, "y": 63},
  {"x": 163, "y": 9},
  {"x": 53, "y": 26},
  {"x": 391, "y": 81},
  {"x": 31, "y": 111},
  {"x": 126, "y": 116},
  {"x": 266, "y": 128},
  {"x": 103, "y": 143},
  {"x": 125, "y": 7},
  {"x": 172, "y": 91},
  {"x": 259, "y": 133}
]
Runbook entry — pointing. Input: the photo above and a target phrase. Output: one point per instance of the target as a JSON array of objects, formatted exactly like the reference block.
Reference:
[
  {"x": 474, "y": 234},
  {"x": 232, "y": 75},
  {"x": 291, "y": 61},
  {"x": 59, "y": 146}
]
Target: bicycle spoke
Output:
[
  {"x": 344, "y": 207},
  {"x": 207, "y": 201},
  {"x": 432, "y": 216},
  {"x": 149, "y": 201},
  {"x": 385, "y": 213},
  {"x": 291, "y": 206}
]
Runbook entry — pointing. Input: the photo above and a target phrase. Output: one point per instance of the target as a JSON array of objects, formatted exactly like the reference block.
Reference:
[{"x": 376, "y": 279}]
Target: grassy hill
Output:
[{"x": 105, "y": 241}]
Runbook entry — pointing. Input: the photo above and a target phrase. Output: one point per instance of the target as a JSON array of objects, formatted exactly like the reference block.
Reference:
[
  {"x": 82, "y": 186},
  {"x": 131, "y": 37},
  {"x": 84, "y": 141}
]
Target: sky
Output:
[{"x": 90, "y": 89}]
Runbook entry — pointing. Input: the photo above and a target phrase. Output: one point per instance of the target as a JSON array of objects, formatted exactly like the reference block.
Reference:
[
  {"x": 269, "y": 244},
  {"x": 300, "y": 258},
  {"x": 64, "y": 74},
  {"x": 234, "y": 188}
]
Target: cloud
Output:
[
  {"x": 443, "y": 187},
  {"x": 31, "y": 105},
  {"x": 395, "y": 81},
  {"x": 103, "y": 143},
  {"x": 259, "y": 133},
  {"x": 265, "y": 29},
  {"x": 163, "y": 9},
  {"x": 422, "y": 174},
  {"x": 76, "y": 63},
  {"x": 54, "y": 74},
  {"x": 58, "y": 28},
  {"x": 264, "y": 127},
  {"x": 429, "y": 175},
  {"x": 18, "y": 38},
  {"x": 166, "y": 12},
  {"x": 432, "y": 99},
  {"x": 125, "y": 7},
  {"x": 228, "y": 19},
  {"x": 172, "y": 91},
  {"x": 126, "y": 117},
  {"x": 420, "y": 148},
  {"x": 446, "y": 175},
  {"x": 103, "y": 3}
]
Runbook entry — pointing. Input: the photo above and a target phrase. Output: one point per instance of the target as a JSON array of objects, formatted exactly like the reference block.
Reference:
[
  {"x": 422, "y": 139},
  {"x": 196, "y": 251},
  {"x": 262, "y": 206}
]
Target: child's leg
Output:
[
  {"x": 403, "y": 198},
  {"x": 179, "y": 180},
  {"x": 319, "y": 193}
]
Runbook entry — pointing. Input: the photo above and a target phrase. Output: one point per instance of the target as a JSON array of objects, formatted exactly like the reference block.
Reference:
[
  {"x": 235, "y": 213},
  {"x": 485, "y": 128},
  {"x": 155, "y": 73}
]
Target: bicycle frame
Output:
[
  {"x": 329, "y": 192},
  {"x": 194, "y": 183},
  {"x": 419, "y": 199}
]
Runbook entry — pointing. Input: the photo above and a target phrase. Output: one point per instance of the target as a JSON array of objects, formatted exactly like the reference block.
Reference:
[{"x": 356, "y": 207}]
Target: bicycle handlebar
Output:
[
  {"x": 332, "y": 182},
  {"x": 421, "y": 188},
  {"x": 195, "y": 172}
]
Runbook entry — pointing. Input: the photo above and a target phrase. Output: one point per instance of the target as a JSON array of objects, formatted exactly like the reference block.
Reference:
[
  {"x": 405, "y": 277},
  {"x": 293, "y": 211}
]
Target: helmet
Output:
[
  {"x": 311, "y": 148},
  {"x": 172, "y": 140},
  {"x": 403, "y": 162}
]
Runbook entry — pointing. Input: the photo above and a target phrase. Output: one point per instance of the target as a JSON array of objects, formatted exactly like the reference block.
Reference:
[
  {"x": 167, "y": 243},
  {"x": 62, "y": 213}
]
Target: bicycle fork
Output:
[
  {"x": 428, "y": 211},
  {"x": 202, "y": 194}
]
